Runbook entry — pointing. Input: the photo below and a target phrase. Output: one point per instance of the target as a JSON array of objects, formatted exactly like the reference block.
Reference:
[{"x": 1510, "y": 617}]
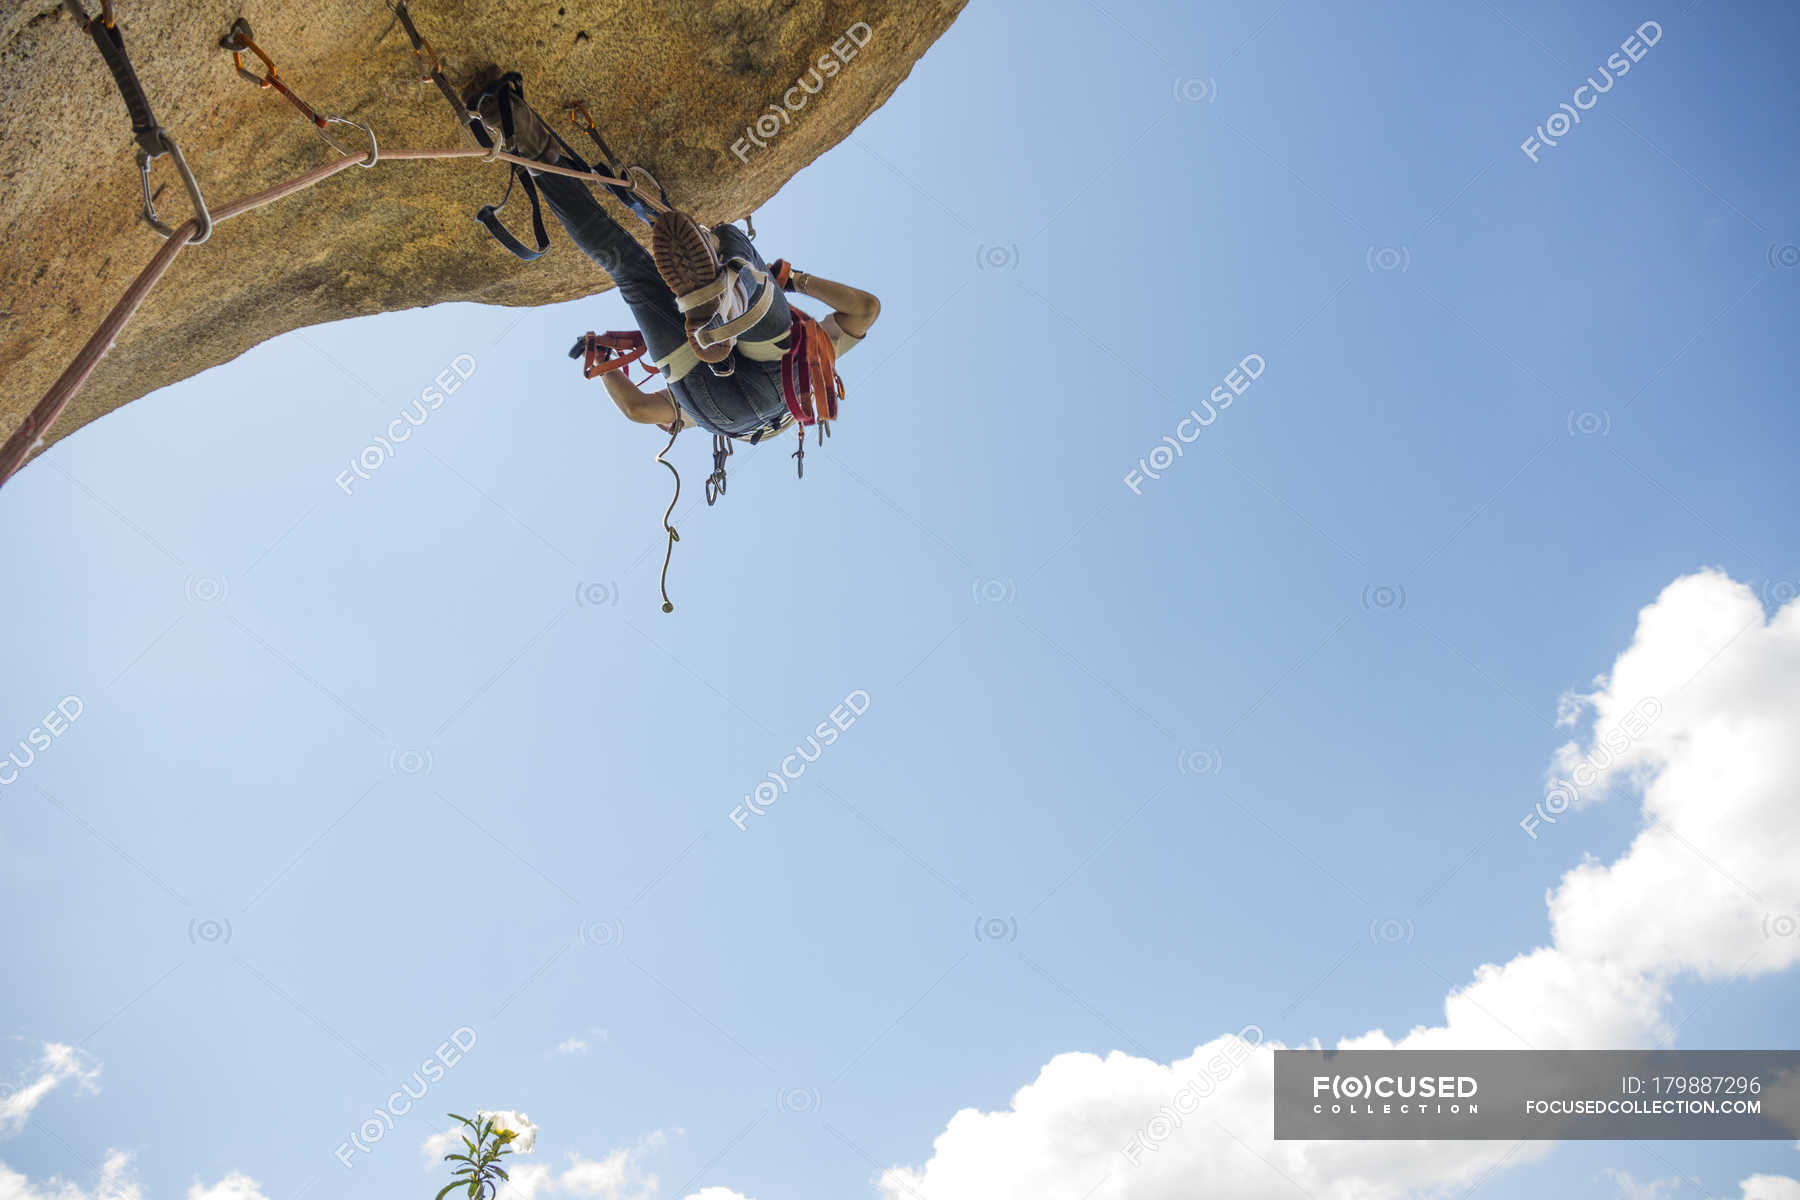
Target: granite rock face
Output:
[{"x": 673, "y": 84}]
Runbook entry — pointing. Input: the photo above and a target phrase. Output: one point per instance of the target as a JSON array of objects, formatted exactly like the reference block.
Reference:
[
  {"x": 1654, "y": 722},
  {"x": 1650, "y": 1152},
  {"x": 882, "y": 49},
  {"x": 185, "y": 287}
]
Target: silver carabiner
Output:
[{"x": 203, "y": 222}]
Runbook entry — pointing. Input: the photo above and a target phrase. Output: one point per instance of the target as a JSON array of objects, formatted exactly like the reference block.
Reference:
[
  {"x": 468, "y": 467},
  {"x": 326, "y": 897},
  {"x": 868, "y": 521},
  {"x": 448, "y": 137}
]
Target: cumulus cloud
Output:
[
  {"x": 572, "y": 1046},
  {"x": 56, "y": 1064},
  {"x": 619, "y": 1174},
  {"x": 1628, "y": 1188},
  {"x": 1696, "y": 717},
  {"x": 235, "y": 1186},
  {"x": 117, "y": 1182},
  {"x": 439, "y": 1144}
]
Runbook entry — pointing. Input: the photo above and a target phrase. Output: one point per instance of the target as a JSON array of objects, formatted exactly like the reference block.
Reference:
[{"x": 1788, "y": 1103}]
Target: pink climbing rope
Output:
[{"x": 44, "y": 414}]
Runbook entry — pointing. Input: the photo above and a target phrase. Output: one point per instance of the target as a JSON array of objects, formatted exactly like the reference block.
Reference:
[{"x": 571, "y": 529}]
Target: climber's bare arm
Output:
[
  {"x": 646, "y": 408},
  {"x": 855, "y": 309}
]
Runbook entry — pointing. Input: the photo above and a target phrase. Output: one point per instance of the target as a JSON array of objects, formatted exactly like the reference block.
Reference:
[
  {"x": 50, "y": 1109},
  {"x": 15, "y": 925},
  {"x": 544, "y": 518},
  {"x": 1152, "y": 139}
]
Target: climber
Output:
[{"x": 737, "y": 321}]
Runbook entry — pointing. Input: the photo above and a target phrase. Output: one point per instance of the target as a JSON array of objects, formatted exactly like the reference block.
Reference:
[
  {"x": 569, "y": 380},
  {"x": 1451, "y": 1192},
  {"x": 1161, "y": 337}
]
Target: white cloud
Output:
[
  {"x": 1628, "y": 1188},
  {"x": 117, "y": 1182},
  {"x": 1771, "y": 1187},
  {"x": 57, "y": 1064},
  {"x": 235, "y": 1186},
  {"x": 439, "y": 1144},
  {"x": 572, "y": 1046},
  {"x": 1718, "y": 770},
  {"x": 527, "y": 1181},
  {"x": 619, "y": 1174},
  {"x": 615, "y": 1177}
]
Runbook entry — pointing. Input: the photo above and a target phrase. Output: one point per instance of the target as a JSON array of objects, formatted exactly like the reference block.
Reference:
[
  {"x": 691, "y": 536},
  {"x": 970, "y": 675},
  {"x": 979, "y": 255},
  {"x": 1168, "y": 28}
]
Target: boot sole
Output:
[{"x": 687, "y": 262}]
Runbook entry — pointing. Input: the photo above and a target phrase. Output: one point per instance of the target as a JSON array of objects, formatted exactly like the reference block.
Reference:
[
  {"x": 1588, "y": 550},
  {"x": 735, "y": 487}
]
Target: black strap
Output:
[
  {"x": 489, "y": 216},
  {"x": 506, "y": 89},
  {"x": 509, "y": 89},
  {"x": 420, "y": 48},
  {"x": 111, "y": 42}
]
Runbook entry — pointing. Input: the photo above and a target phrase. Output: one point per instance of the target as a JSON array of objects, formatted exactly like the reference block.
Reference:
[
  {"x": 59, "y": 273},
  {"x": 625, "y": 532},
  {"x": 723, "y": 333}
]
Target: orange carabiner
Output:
[{"x": 240, "y": 40}]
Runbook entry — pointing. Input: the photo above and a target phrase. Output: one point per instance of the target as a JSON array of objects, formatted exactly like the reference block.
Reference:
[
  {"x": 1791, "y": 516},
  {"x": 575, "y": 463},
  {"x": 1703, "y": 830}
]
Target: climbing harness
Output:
[
  {"x": 152, "y": 139},
  {"x": 241, "y": 39}
]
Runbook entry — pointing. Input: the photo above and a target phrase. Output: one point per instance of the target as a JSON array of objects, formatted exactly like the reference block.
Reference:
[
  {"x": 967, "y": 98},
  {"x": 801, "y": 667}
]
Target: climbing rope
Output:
[
  {"x": 152, "y": 139},
  {"x": 44, "y": 414},
  {"x": 154, "y": 142},
  {"x": 675, "y": 428},
  {"x": 602, "y": 352}
]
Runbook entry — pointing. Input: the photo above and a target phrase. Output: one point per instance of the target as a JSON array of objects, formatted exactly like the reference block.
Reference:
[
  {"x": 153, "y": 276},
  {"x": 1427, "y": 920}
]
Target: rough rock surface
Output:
[{"x": 672, "y": 84}]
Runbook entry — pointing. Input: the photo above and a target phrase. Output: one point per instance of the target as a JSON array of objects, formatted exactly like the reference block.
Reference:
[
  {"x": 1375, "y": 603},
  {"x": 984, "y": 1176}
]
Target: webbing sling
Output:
[{"x": 505, "y": 89}]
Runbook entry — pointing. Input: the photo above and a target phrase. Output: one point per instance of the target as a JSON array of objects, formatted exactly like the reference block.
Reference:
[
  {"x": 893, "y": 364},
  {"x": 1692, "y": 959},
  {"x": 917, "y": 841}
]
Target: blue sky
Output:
[{"x": 355, "y": 771}]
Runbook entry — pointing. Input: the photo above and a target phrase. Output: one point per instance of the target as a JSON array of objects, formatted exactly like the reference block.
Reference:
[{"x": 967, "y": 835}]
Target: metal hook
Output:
[
  {"x": 203, "y": 222},
  {"x": 374, "y": 155}
]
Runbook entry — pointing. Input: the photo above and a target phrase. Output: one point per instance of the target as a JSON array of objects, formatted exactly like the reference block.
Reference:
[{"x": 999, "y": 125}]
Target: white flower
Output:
[{"x": 524, "y": 1133}]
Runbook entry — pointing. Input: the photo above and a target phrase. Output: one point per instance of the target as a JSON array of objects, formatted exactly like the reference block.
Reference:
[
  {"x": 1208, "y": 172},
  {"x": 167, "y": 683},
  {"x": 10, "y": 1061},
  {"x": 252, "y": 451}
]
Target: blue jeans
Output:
[{"x": 737, "y": 404}]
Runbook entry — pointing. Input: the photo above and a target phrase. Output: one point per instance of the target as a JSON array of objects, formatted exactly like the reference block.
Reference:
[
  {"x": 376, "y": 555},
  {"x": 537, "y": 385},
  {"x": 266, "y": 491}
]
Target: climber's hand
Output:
[{"x": 785, "y": 275}]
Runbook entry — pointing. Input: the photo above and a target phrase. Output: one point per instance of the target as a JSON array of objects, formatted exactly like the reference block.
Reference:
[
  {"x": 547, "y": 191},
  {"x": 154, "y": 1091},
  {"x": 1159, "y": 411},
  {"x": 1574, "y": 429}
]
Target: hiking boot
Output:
[
  {"x": 531, "y": 138},
  {"x": 688, "y": 260}
]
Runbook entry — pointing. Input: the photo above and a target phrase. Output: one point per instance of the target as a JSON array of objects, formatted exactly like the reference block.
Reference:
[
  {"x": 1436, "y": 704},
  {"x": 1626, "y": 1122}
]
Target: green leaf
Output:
[
  {"x": 448, "y": 1188},
  {"x": 501, "y": 1172},
  {"x": 464, "y": 1120},
  {"x": 474, "y": 1187}
]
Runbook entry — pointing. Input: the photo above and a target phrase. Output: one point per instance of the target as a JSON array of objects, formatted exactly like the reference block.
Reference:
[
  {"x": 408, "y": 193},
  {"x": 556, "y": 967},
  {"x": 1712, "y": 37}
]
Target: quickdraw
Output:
[
  {"x": 715, "y": 483},
  {"x": 241, "y": 39},
  {"x": 635, "y": 197},
  {"x": 423, "y": 50},
  {"x": 152, "y": 139},
  {"x": 509, "y": 91}
]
